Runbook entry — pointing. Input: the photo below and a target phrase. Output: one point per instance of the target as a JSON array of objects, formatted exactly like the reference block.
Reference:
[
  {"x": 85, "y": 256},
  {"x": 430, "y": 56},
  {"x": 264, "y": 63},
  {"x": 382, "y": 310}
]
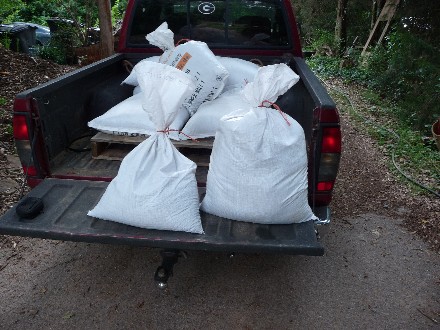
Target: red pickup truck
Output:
[{"x": 53, "y": 140}]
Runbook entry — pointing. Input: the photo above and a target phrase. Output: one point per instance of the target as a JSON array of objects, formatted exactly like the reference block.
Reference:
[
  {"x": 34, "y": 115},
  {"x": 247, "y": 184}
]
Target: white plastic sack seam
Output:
[
  {"x": 258, "y": 167},
  {"x": 156, "y": 186}
]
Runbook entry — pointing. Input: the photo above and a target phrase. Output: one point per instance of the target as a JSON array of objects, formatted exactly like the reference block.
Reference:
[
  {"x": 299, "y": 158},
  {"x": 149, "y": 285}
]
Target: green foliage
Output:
[
  {"x": 2, "y": 101},
  {"x": 9, "y": 10},
  {"x": 37, "y": 11},
  {"x": 326, "y": 66},
  {"x": 322, "y": 41},
  {"x": 5, "y": 41},
  {"x": 417, "y": 158},
  {"x": 118, "y": 10},
  {"x": 9, "y": 130},
  {"x": 314, "y": 17},
  {"x": 405, "y": 72},
  {"x": 53, "y": 52}
]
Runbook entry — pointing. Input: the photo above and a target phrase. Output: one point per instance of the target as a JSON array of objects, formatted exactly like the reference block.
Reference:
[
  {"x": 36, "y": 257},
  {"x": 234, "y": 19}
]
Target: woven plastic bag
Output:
[
  {"x": 156, "y": 186},
  {"x": 128, "y": 118},
  {"x": 194, "y": 58},
  {"x": 241, "y": 72},
  {"x": 206, "y": 120},
  {"x": 125, "y": 118},
  {"x": 258, "y": 167}
]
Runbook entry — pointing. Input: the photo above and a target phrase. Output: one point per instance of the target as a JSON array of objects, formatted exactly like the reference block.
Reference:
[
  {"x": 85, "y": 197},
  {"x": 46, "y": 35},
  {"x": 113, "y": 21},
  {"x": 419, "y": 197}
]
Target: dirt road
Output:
[{"x": 375, "y": 274}]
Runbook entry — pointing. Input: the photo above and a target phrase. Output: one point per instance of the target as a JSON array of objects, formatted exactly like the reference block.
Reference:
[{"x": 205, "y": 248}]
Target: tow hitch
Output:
[{"x": 165, "y": 270}]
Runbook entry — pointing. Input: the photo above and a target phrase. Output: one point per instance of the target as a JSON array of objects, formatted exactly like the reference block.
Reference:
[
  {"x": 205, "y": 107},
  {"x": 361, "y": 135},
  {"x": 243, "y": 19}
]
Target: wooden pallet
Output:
[{"x": 116, "y": 147}]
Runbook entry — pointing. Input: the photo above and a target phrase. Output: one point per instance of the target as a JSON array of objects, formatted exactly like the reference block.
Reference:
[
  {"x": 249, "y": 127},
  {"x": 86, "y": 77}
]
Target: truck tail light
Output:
[
  {"x": 331, "y": 140},
  {"x": 325, "y": 185},
  {"x": 21, "y": 131},
  {"x": 328, "y": 164},
  {"x": 23, "y": 145}
]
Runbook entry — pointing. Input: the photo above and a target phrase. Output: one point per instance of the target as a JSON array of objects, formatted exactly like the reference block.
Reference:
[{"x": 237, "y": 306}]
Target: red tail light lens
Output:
[
  {"x": 20, "y": 128},
  {"x": 325, "y": 186},
  {"x": 30, "y": 170},
  {"x": 331, "y": 140}
]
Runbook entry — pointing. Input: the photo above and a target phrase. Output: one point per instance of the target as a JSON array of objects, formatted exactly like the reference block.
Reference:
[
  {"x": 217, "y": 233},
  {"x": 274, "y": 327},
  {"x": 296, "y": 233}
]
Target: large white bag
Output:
[
  {"x": 258, "y": 167},
  {"x": 241, "y": 72},
  {"x": 125, "y": 118},
  {"x": 156, "y": 186},
  {"x": 194, "y": 58},
  {"x": 206, "y": 120},
  {"x": 132, "y": 78},
  {"x": 204, "y": 123},
  {"x": 129, "y": 119}
]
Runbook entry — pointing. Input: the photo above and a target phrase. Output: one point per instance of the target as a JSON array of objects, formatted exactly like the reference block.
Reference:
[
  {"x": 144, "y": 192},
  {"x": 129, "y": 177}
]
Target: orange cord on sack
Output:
[
  {"x": 181, "y": 40},
  {"x": 167, "y": 130},
  {"x": 277, "y": 108}
]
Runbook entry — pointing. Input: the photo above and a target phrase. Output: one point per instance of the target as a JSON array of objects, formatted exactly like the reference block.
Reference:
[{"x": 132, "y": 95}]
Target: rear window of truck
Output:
[{"x": 221, "y": 24}]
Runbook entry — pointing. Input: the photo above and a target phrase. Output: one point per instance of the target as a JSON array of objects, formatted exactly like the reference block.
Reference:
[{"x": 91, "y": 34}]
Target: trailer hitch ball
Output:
[
  {"x": 164, "y": 271},
  {"x": 161, "y": 277},
  {"x": 162, "y": 285}
]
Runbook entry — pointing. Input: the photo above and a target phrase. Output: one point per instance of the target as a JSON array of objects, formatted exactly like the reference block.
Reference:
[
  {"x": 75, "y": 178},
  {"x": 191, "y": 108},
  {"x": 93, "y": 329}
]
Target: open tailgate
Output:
[{"x": 64, "y": 217}]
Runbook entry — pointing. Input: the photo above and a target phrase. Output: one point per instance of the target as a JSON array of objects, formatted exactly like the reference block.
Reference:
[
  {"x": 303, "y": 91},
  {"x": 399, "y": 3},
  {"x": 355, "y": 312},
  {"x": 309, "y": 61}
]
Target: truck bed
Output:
[
  {"x": 75, "y": 181},
  {"x": 64, "y": 217}
]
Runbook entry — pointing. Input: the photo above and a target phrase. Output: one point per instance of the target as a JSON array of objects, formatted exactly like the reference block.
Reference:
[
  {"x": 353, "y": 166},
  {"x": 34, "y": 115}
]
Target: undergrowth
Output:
[
  {"x": 400, "y": 91},
  {"x": 405, "y": 72},
  {"x": 415, "y": 155}
]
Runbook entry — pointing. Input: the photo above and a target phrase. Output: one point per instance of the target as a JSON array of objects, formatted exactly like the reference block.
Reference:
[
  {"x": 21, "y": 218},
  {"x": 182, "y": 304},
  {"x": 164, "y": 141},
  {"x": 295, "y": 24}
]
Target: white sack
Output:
[
  {"x": 258, "y": 167},
  {"x": 241, "y": 72},
  {"x": 129, "y": 119},
  {"x": 206, "y": 120},
  {"x": 125, "y": 118},
  {"x": 270, "y": 82},
  {"x": 156, "y": 186},
  {"x": 162, "y": 37},
  {"x": 196, "y": 59},
  {"x": 137, "y": 90},
  {"x": 132, "y": 78}
]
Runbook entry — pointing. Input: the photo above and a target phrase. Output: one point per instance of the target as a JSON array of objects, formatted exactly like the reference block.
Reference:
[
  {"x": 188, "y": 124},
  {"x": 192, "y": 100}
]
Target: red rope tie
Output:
[
  {"x": 167, "y": 130},
  {"x": 276, "y": 107}
]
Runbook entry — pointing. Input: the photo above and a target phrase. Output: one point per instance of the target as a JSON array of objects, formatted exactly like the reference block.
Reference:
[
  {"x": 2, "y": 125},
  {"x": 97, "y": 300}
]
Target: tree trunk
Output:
[
  {"x": 105, "y": 26},
  {"x": 341, "y": 26}
]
